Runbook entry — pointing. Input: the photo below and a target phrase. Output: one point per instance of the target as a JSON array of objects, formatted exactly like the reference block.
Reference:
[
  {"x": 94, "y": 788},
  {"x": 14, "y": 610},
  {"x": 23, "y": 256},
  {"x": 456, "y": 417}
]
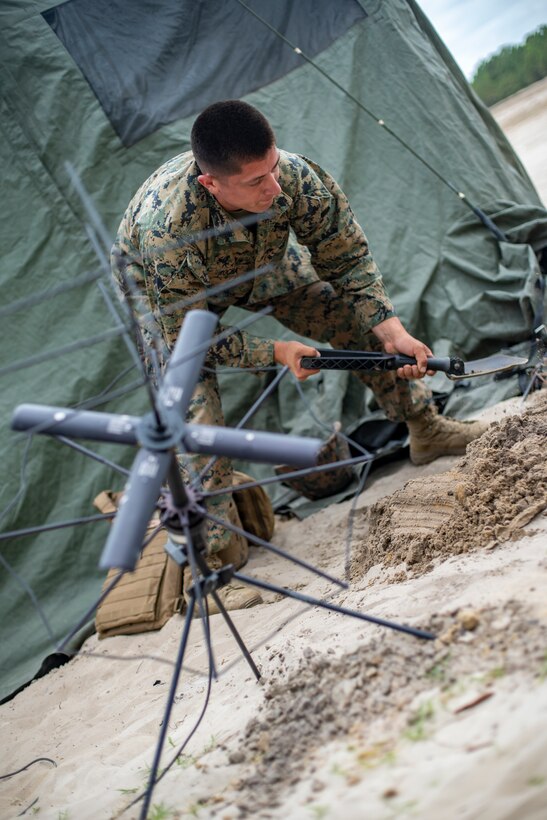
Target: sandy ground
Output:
[{"x": 350, "y": 719}]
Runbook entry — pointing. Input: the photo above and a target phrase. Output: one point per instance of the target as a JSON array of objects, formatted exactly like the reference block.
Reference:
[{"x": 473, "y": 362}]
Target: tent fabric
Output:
[
  {"x": 441, "y": 265},
  {"x": 148, "y": 68}
]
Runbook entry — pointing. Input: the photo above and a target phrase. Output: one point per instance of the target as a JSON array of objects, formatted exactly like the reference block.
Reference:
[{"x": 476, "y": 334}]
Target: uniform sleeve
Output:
[{"x": 324, "y": 222}]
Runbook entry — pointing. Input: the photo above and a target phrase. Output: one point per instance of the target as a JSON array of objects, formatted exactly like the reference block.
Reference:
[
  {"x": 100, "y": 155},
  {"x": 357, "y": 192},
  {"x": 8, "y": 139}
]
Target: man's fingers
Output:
[
  {"x": 300, "y": 372},
  {"x": 412, "y": 372}
]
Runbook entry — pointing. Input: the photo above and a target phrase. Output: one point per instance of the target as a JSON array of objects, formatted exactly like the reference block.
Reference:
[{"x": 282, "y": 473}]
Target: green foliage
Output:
[
  {"x": 438, "y": 671},
  {"x": 512, "y": 68},
  {"x": 184, "y": 760},
  {"x": 417, "y": 728},
  {"x": 160, "y": 811},
  {"x": 319, "y": 811}
]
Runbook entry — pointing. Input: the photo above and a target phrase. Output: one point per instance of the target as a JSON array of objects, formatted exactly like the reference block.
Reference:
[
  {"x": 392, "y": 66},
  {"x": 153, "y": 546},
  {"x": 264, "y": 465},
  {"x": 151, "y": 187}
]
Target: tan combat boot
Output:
[
  {"x": 234, "y": 595},
  {"x": 432, "y": 435}
]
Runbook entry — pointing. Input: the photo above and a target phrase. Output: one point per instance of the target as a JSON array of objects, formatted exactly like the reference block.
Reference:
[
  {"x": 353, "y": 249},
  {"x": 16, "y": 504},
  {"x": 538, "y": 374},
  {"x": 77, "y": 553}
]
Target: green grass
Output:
[
  {"x": 417, "y": 728},
  {"x": 439, "y": 669},
  {"x": 159, "y": 811},
  {"x": 496, "y": 673},
  {"x": 377, "y": 755},
  {"x": 184, "y": 760},
  {"x": 319, "y": 811}
]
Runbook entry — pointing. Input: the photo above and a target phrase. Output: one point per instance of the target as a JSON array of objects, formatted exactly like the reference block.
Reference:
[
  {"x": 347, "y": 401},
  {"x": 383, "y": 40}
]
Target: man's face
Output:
[{"x": 252, "y": 189}]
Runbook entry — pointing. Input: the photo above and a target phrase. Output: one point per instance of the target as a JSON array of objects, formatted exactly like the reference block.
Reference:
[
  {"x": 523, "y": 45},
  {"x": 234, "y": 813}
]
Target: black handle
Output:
[
  {"x": 446, "y": 364},
  {"x": 443, "y": 364},
  {"x": 376, "y": 362}
]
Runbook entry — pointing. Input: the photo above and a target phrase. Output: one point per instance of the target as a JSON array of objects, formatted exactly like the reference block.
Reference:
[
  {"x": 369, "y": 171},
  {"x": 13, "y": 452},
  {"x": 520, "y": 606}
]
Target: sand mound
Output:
[{"x": 485, "y": 500}]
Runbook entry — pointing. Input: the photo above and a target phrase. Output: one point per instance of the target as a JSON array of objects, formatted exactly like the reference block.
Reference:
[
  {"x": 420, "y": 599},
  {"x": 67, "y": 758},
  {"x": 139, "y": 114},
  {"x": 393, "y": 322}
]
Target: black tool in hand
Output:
[{"x": 454, "y": 367}]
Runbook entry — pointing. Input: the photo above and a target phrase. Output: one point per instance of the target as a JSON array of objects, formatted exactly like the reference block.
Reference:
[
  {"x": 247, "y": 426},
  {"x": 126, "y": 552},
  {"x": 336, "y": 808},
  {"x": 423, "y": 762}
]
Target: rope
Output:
[{"x": 487, "y": 222}]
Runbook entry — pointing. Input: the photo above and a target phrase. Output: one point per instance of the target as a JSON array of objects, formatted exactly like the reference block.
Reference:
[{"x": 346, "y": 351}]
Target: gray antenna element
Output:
[
  {"x": 158, "y": 435},
  {"x": 155, "y": 463},
  {"x": 180, "y": 380},
  {"x": 64, "y": 421},
  {"x": 139, "y": 501},
  {"x": 250, "y": 445}
]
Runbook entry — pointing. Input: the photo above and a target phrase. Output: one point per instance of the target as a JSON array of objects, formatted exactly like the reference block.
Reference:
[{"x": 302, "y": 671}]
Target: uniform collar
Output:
[{"x": 219, "y": 218}]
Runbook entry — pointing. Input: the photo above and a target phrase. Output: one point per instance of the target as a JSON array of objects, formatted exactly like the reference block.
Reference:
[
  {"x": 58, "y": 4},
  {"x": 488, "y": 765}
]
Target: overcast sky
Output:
[{"x": 476, "y": 29}]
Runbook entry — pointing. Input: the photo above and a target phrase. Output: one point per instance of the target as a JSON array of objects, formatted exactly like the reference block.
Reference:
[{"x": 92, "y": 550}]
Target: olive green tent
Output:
[{"x": 364, "y": 87}]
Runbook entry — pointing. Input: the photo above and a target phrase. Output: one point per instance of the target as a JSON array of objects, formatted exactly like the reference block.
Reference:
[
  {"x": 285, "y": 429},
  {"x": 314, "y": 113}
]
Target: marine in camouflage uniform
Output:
[{"x": 323, "y": 284}]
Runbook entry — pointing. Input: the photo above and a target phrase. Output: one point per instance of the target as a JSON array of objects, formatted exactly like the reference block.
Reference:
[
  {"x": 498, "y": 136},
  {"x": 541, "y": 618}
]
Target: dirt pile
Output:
[
  {"x": 328, "y": 698},
  {"x": 494, "y": 491}
]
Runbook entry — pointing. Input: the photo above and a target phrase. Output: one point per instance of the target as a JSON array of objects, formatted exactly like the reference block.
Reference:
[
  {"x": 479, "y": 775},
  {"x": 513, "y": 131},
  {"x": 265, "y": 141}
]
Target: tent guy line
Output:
[{"x": 487, "y": 222}]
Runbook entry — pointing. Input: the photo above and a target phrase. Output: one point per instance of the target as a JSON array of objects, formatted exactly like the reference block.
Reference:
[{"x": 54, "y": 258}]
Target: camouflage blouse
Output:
[{"x": 176, "y": 243}]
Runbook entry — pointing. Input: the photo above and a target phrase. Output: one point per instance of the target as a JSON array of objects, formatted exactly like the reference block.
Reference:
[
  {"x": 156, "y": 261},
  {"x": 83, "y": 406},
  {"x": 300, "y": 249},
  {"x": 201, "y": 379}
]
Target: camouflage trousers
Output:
[{"x": 317, "y": 312}]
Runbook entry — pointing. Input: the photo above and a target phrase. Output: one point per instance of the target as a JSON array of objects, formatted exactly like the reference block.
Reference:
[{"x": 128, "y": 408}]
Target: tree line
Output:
[{"x": 512, "y": 68}]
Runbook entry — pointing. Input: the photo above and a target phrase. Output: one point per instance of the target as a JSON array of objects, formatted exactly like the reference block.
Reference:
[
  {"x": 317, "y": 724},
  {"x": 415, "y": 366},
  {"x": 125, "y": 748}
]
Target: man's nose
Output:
[{"x": 273, "y": 187}]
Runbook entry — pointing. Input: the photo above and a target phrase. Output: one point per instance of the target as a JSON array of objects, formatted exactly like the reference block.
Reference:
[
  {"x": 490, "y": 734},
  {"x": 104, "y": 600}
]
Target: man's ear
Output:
[{"x": 208, "y": 182}]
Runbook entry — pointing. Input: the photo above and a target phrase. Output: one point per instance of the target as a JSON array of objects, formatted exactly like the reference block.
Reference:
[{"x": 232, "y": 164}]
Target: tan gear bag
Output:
[
  {"x": 254, "y": 507},
  {"x": 146, "y": 598}
]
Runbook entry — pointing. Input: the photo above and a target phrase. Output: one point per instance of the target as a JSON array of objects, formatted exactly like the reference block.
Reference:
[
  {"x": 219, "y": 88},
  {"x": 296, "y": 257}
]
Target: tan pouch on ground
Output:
[
  {"x": 254, "y": 507},
  {"x": 146, "y": 598}
]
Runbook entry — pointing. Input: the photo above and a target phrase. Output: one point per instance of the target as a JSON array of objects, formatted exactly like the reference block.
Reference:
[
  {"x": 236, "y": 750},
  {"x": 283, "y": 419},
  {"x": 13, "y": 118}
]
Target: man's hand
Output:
[
  {"x": 290, "y": 353},
  {"x": 396, "y": 339}
]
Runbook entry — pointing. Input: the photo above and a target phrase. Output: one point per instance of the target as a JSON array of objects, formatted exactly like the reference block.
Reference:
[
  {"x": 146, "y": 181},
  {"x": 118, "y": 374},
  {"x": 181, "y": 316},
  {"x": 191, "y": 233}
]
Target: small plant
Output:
[
  {"x": 376, "y": 755},
  {"x": 319, "y": 811},
  {"x": 536, "y": 780},
  {"x": 543, "y": 668},
  {"x": 159, "y": 811},
  {"x": 147, "y": 771},
  {"x": 184, "y": 760},
  {"x": 496, "y": 672},
  {"x": 417, "y": 724},
  {"x": 438, "y": 671},
  {"x": 388, "y": 758},
  {"x": 212, "y": 744},
  {"x": 456, "y": 688},
  {"x": 408, "y": 807}
]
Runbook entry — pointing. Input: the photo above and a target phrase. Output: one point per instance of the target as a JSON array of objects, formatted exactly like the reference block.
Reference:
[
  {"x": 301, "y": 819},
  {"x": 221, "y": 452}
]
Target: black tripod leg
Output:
[
  {"x": 195, "y": 560},
  {"x": 170, "y": 701},
  {"x": 307, "y": 599},
  {"x": 236, "y": 634}
]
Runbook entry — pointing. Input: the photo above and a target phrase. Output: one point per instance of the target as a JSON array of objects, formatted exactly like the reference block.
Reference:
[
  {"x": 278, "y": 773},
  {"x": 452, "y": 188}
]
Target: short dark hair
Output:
[{"x": 228, "y": 133}]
